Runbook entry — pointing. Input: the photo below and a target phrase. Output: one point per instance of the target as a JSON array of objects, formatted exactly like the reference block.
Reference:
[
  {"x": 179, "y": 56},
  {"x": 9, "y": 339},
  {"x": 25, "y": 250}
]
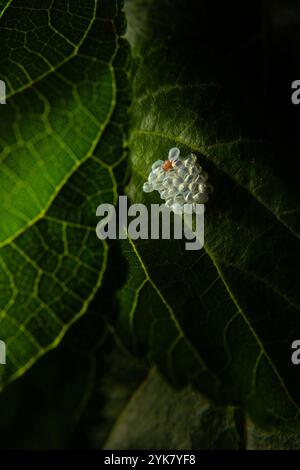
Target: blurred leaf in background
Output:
[{"x": 175, "y": 350}]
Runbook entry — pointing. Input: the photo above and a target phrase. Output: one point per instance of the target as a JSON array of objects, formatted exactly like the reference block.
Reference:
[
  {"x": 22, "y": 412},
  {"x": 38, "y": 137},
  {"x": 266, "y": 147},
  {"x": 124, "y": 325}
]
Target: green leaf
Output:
[
  {"x": 223, "y": 317},
  {"x": 63, "y": 148}
]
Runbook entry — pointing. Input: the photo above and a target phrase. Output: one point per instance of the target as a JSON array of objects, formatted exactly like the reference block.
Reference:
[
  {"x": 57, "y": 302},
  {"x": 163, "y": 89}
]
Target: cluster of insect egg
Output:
[{"x": 179, "y": 181}]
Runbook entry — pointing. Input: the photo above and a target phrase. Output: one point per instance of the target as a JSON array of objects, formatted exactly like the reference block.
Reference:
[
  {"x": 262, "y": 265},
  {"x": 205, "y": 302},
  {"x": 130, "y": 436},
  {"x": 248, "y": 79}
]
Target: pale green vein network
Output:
[
  {"x": 63, "y": 136},
  {"x": 4, "y": 4}
]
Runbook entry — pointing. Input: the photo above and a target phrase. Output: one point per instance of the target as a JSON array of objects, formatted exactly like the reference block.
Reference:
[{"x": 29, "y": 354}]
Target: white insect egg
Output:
[
  {"x": 166, "y": 183},
  {"x": 173, "y": 190},
  {"x": 159, "y": 181},
  {"x": 189, "y": 161},
  {"x": 193, "y": 170},
  {"x": 182, "y": 172},
  {"x": 151, "y": 177},
  {"x": 179, "y": 181},
  {"x": 179, "y": 198},
  {"x": 198, "y": 198},
  {"x": 157, "y": 174}
]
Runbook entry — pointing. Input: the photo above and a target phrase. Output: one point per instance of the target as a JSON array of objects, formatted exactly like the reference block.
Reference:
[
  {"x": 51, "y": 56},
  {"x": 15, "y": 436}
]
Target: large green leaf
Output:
[
  {"x": 63, "y": 146},
  {"x": 224, "y": 317}
]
